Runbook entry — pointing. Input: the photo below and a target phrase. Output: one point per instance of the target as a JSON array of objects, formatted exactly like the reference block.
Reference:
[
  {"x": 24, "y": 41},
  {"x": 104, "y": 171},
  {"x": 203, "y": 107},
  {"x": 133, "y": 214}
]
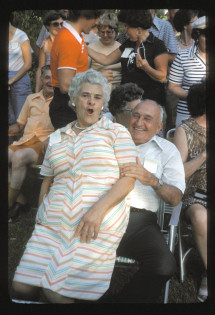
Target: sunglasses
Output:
[{"x": 56, "y": 24}]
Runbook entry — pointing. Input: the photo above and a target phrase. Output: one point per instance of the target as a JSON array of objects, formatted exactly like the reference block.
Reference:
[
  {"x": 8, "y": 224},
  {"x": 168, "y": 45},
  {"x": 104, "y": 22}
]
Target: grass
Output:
[{"x": 20, "y": 232}]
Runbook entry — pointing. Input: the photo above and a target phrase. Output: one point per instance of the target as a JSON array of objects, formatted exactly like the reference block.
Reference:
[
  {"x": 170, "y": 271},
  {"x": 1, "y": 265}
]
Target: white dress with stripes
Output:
[{"x": 84, "y": 166}]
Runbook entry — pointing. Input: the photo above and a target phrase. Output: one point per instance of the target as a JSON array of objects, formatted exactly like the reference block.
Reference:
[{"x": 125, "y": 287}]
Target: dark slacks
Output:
[
  {"x": 59, "y": 111},
  {"x": 144, "y": 242}
]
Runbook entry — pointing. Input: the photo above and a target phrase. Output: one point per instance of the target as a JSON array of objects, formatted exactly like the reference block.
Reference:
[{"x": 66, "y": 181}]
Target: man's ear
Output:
[{"x": 160, "y": 126}]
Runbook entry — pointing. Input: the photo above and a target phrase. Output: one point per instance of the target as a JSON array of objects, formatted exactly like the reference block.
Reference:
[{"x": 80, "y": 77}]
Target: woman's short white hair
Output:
[{"x": 90, "y": 76}]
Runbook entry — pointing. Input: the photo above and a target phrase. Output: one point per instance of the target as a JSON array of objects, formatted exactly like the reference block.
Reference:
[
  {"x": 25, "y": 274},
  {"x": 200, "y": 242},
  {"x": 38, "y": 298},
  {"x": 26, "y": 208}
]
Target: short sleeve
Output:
[
  {"x": 42, "y": 36},
  {"x": 169, "y": 39},
  {"x": 124, "y": 147},
  {"x": 69, "y": 51},
  {"x": 160, "y": 48},
  {"x": 176, "y": 74},
  {"x": 25, "y": 113},
  {"x": 46, "y": 169},
  {"x": 22, "y": 37}
]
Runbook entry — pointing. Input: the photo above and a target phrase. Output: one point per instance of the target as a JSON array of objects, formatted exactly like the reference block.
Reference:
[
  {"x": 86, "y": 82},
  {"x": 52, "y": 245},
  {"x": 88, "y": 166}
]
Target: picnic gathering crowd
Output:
[{"x": 97, "y": 122}]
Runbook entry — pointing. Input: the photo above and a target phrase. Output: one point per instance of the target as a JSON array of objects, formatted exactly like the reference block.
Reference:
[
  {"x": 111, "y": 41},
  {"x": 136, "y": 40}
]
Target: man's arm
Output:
[
  {"x": 15, "y": 129},
  {"x": 167, "y": 193}
]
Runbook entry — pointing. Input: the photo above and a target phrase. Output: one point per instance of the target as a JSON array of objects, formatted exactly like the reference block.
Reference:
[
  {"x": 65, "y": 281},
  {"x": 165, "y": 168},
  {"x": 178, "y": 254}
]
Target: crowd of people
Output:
[{"x": 97, "y": 122}]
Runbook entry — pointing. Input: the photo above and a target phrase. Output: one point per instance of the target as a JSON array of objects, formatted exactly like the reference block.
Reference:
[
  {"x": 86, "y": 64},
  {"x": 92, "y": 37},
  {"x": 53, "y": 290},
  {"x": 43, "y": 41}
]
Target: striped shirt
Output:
[
  {"x": 16, "y": 60},
  {"x": 164, "y": 31},
  {"x": 161, "y": 158},
  {"x": 186, "y": 70},
  {"x": 85, "y": 166}
]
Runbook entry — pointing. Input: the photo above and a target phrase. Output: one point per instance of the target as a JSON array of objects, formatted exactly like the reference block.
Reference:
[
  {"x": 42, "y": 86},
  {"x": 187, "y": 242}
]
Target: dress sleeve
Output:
[
  {"x": 46, "y": 169},
  {"x": 124, "y": 147}
]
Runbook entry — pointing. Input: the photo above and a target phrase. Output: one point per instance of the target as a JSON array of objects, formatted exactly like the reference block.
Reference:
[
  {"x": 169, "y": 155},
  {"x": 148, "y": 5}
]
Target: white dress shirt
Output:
[{"x": 160, "y": 157}]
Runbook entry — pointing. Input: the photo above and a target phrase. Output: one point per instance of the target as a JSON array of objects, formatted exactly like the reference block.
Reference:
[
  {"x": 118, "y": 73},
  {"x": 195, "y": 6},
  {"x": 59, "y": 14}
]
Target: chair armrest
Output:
[{"x": 175, "y": 215}]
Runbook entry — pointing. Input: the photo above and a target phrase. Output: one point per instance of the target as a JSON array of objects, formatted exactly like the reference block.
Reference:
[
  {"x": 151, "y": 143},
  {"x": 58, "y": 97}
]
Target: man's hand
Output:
[
  {"x": 88, "y": 227},
  {"x": 139, "y": 172},
  {"x": 45, "y": 145},
  {"x": 108, "y": 74}
]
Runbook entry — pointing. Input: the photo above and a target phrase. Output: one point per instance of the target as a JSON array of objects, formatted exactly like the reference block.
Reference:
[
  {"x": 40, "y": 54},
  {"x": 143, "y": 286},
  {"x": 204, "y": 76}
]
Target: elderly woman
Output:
[
  {"x": 123, "y": 99},
  {"x": 53, "y": 22},
  {"x": 83, "y": 210},
  {"x": 143, "y": 57},
  {"x": 108, "y": 31},
  {"x": 190, "y": 139},
  {"x": 182, "y": 22},
  {"x": 188, "y": 68}
]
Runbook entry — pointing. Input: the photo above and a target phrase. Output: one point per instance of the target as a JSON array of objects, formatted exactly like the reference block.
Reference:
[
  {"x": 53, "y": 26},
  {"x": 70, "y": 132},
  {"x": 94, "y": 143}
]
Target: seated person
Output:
[
  {"x": 190, "y": 139},
  {"x": 34, "y": 117},
  {"x": 159, "y": 173},
  {"x": 83, "y": 205},
  {"x": 122, "y": 100}
]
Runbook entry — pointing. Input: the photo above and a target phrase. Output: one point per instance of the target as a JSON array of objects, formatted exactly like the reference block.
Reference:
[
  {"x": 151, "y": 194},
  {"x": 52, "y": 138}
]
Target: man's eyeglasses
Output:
[
  {"x": 127, "y": 110},
  {"x": 56, "y": 24},
  {"x": 109, "y": 32}
]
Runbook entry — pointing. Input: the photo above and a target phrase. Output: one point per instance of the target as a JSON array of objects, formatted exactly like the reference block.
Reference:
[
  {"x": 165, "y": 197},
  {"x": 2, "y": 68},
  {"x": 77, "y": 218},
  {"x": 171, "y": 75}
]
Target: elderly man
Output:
[
  {"x": 159, "y": 173},
  {"x": 34, "y": 117}
]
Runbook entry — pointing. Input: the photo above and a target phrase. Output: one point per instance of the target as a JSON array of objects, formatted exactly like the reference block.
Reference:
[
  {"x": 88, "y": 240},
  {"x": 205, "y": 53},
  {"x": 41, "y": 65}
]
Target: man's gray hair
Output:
[{"x": 90, "y": 76}]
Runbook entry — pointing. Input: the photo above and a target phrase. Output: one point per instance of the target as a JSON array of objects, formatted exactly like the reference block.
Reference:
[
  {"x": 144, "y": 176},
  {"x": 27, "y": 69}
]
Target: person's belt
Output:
[{"x": 132, "y": 209}]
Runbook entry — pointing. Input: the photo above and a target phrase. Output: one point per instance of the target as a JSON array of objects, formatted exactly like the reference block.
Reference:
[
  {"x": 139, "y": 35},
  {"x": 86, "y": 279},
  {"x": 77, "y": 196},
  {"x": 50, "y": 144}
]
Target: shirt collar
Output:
[
  {"x": 150, "y": 38},
  {"x": 73, "y": 31},
  {"x": 156, "y": 22},
  {"x": 155, "y": 139},
  {"x": 40, "y": 95},
  {"x": 103, "y": 123}
]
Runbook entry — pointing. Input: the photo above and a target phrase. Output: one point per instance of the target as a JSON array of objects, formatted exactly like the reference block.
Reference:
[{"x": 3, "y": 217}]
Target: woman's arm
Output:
[
  {"x": 104, "y": 60},
  {"x": 177, "y": 90},
  {"x": 47, "y": 181},
  {"x": 90, "y": 223},
  {"x": 42, "y": 62},
  {"x": 180, "y": 140},
  {"x": 26, "y": 53},
  {"x": 160, "y": 72},
  {"x": 64, "y": 77}
]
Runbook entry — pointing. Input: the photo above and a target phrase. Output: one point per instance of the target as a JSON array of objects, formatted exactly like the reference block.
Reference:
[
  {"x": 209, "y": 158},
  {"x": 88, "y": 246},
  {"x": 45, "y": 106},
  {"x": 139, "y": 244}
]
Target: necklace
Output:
[
  {"x": 184, "y": 44},
  {"x": 76, "y": 126}
]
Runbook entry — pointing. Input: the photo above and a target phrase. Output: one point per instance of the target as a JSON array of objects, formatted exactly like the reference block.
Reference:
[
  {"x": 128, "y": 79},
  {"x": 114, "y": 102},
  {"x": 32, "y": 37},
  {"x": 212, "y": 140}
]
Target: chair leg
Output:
[{"x": 166, "y": 292}]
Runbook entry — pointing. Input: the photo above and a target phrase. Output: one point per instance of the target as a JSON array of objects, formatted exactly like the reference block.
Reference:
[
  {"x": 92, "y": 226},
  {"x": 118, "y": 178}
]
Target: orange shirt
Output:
[
  {"x": 35, "y": 116},
  {"x": 68, "y": 51}
]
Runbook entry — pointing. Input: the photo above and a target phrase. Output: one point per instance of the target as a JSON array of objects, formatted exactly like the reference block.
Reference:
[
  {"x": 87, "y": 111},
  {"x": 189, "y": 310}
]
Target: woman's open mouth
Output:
[{"x": 90, "y": 111}]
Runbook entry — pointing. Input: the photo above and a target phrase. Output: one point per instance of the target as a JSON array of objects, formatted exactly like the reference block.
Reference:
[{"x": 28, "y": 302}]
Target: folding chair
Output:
[{"x": 169, "y": 235}]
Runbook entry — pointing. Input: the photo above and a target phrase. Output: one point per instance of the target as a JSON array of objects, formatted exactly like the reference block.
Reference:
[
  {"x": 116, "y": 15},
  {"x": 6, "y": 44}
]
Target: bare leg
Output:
[
  {"x": 25, "y": 291},
  {"x": 54, "y": 297}
]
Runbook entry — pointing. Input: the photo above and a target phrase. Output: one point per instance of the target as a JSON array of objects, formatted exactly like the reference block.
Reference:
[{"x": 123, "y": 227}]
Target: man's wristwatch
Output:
[{"x": 160, "y": 184}]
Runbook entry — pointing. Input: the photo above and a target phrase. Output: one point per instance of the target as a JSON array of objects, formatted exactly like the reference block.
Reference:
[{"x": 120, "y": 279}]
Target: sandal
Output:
[{"x": 203, "y": 293}]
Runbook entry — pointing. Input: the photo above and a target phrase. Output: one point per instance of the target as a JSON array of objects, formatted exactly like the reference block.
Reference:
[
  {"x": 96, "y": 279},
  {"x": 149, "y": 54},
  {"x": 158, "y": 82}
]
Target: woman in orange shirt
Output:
[
  {"x": 53, "y": 21},
  {"x": 68, "y": 57}
]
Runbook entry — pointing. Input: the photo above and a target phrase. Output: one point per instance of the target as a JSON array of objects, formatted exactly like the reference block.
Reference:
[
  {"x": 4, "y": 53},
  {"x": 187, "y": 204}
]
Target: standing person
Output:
[
  {"x": 159, "y": 173},
  {"x": 44, "y": 33},
  {"x": 92, "y": 37},
  {"x": 83, "y": 205},
  {"x": 190, "y": 139},
  {"x": 189, "y": 68},
  {"x": 108, "y": 30},
  {"x": 20, "y": 61},
  {"x": 170, "y": 16},
  {"x": 68, "y": 57},
  {"x": 182, "y": 22},
  {"x": 143, "y": 57},
  {"x": 34, "y": 120},
  {"x": 53, "y": 22}
]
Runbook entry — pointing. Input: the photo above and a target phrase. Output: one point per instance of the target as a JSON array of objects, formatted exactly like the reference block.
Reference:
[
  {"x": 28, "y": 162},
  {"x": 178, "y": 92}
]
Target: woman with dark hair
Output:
[
  {"x": 123, "y": 99},
  {"x": 188, "y": 68},
  {"x": 143, "y": 57},
  {"x": 190, "y": 139},
  {"x": 182, "y": 22},
  {"x": 68, "y": 57},
  {"x": 19, "y": 62},
  {"x": 53, "y": 22}
]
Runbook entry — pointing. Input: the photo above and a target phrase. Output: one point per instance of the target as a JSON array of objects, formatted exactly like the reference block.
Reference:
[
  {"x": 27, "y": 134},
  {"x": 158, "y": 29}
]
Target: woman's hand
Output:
[
  {"x": 141, "y": 63},
  {"x": 88, "y": 227},
  {"x": 108, "y": 74}
]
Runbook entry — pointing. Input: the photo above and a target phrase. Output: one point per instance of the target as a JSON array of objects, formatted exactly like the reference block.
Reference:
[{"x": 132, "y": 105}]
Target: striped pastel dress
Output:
[{"x": 84, "y": 166}]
